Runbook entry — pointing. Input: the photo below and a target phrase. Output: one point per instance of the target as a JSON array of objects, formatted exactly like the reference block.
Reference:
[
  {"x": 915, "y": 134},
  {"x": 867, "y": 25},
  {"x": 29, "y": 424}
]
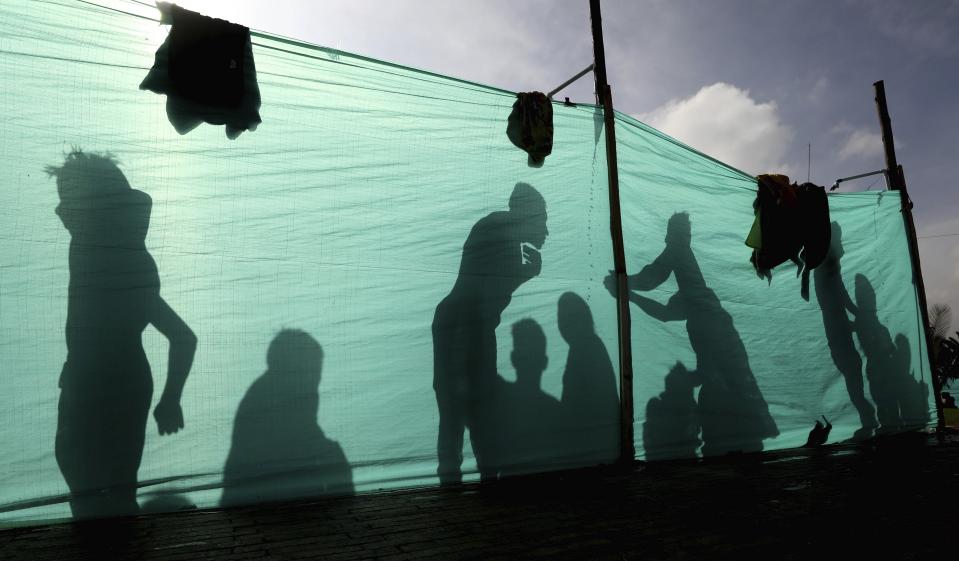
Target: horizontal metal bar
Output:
[
  {"x": 570, "y": 81},
  {"x": 838, "y": 181}
]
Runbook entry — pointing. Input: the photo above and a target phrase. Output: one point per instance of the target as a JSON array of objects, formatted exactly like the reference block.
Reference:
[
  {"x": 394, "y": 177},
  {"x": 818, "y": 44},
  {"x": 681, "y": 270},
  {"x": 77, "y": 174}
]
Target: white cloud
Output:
[
  {"x": 861, "y": 143},
  {"x": 818, "y": 90},
  {"x": 725, "y": 122}
]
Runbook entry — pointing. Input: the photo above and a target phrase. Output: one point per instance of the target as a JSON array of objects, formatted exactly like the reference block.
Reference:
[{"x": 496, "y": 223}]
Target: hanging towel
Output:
[
  {"x": 530, "y": 126},
  {"x": 205, "y": 67},
  {"x": 817, "y": 230}
]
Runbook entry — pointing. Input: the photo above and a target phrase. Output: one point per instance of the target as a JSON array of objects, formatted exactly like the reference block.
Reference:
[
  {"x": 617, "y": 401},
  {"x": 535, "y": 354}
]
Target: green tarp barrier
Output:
[
  {"x": 763, "y": 362},
  {"x": 352, "y": 272}
]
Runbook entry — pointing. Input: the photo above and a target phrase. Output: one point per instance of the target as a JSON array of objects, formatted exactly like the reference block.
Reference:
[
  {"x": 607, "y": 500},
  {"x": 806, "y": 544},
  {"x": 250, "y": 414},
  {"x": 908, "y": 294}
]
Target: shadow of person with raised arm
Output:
[
  {"x": 671, "y": 428},
  {"x": 899, "y": 399},
  {"x": 590, "y": 399},
  {"x": 278, "y": 450},
  {"x": 733, "y": 413},
  {"x": 106, "y": 385},
  {"x": 834, "y": 302},
  {"x": 501, "y": 253},
  {"x": 526, "y": 421}
]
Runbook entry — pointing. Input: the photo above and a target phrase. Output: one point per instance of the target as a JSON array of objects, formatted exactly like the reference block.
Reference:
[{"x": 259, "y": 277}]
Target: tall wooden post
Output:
[
  {"x": 627, "y": 451},
  {"x": 896, "y": 180}
]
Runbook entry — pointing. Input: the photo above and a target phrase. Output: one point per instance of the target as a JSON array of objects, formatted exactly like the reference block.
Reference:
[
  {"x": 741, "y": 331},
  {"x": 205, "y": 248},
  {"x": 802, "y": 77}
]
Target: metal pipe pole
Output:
[
  {"x": 896, "y": 180},
  {"x": 627, "y": 450},
  {"x": 560, "y": 87},
  {"x": 861, "y": 175}
]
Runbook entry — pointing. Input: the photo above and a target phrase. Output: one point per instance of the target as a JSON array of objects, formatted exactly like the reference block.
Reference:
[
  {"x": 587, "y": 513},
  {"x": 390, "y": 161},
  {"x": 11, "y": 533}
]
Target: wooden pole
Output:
[
  {"x": 627, "y": 450},
  {"x": 896, "y": 181}
]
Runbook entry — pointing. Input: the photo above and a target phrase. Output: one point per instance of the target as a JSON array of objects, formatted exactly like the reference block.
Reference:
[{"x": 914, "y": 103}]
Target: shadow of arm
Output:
[
  {"x": 183, "y": 341},
  {"x": 671, "y": 311},
  {"x": 652, "y": 275}
]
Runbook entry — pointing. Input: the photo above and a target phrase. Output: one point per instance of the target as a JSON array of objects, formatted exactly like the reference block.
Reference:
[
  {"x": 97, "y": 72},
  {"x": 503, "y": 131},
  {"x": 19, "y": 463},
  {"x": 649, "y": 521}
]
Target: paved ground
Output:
[{"x": 890, "y": 499}]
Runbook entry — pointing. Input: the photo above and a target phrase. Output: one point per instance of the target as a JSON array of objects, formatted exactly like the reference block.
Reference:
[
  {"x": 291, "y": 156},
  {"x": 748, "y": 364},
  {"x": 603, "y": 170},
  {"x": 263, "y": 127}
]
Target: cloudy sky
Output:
[{"x": 749, "y": 82}]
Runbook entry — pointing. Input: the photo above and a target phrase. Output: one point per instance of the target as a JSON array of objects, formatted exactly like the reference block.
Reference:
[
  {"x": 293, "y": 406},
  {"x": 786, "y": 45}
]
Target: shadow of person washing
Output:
[
  {"x": 732, "y": 411},
  {"x": 835, "y": 304}
]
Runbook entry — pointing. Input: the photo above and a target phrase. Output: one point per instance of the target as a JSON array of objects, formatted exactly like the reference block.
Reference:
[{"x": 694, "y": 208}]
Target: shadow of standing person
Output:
[
  {"x": 733, "y": 412},
  {"x": 834, "y": 302},
  {"x": 590, "y": 399},
  {"x": 279, "y": 451},
  {"x": 914, "y": 406},
  {"x": 501, "y": 253},
  {"x": 525, "y": 419},
  {"x": 899, "y": 399},
  {"x": 106, "y": 385}
]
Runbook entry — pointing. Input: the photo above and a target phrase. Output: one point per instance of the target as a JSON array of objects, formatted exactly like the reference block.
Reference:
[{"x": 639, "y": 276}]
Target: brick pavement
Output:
[{"x": 883, "y": 499}]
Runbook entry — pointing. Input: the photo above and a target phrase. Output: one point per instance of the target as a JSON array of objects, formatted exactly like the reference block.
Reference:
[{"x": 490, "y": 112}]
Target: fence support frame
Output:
[
  {"x": 627, "y": 450},
  {"x": 896, "y": 181}
]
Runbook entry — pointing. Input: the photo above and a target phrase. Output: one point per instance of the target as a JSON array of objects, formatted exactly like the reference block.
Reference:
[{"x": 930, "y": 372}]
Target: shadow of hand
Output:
[
  {"x": 533, "y": 259},
  {"x": 169, "y": 417},
  {"x": 610, "y": 283}
]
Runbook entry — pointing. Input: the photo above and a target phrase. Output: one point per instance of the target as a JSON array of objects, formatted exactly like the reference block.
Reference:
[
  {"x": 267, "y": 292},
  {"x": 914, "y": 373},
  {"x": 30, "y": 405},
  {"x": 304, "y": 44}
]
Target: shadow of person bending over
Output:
[
  {"x": 671, "y": 428},
  {"x": 590, "y": 399},
  {"x": 733, "y": 412},
  {"x": 501, "y": 253},
  {"x": 834, "y": 302},
  {"x": 106, "y": 385},
  {"x": 901, "y": 401},
  {"x": 278, "y": 450}
]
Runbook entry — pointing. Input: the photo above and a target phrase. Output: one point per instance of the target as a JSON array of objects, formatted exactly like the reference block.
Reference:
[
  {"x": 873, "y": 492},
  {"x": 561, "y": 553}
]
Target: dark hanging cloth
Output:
[
  {"x": 792, "y": 223},
  {"x": 205, "y": 67},
  {"x": 817, "y": 231},
  {"x": 530, "y": 126}
]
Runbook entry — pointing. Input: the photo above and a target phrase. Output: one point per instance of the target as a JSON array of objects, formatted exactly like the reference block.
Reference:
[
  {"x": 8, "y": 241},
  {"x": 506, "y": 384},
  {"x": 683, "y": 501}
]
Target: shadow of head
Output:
[
  {"x": 836, "y": 250},
  {"x": 95, "y": 196},
  {"x": 865, "y": 294},
  {"x": 85, "y": 175},
  {"x": 529, "y": 210},
  {"x": 680, "y": 380},
  {"x": 529, "y": 351},
  {"x": 678, "y": 229},
  {"x": 296, "y": 356},
  {"x": 574, "y": 317}
]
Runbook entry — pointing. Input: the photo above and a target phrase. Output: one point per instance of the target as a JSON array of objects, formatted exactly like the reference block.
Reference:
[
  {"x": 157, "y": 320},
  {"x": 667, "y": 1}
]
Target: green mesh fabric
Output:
[
  {"x": 770, "y": 360},
  {"x": 362, "y": 234}
]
